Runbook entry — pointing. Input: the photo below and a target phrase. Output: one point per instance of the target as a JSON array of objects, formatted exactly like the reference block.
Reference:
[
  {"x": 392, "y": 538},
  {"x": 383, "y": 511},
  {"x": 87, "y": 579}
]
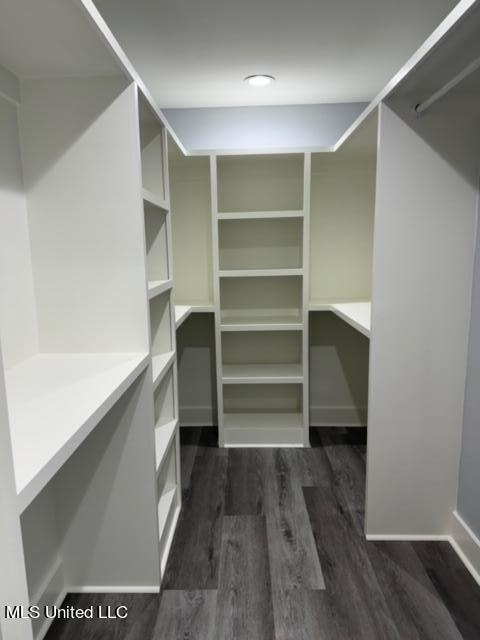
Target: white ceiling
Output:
[{"x": 195, "y": 53}]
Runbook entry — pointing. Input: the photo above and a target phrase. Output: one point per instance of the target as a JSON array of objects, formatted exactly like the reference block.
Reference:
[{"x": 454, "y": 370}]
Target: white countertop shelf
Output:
[
  {"x": 54, "y": 402},
  {"x": 253, "y": 322},
  {"x": 157, "y": 287},
  {"x": 151, "y": 199},
  {"x": 164, "y": 435},
  {"x": 259, "y": 273},
  {"x": 262, "y": 373},
  {"x": 182, "y": 312},
  {"x": 160, "y": 365},
  {"x": 249, "y": 215},
  {"x": 357, "y": 314}
]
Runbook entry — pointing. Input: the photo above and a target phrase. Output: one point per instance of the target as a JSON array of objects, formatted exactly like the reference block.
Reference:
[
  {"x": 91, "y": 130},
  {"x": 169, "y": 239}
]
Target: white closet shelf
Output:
[
  {"x": 258, "y": 273},
  {"x": 254, "y": 322},
  {"x": 263, "y": 420},
  {"x": 181, "y": 314},
  {"x": 357, "y": 314},
  {"x": 262, "y": 374},
  {"x": 161, "y": 364},
  {"x": 157, "y": 287},
  {"x": 151, "y": 199},
  {"x": 249, "y": 215},
  {"x": 165, "y": 505},
  {"x": 54, "y": 402},
  {"x": 164, "y": 435}
]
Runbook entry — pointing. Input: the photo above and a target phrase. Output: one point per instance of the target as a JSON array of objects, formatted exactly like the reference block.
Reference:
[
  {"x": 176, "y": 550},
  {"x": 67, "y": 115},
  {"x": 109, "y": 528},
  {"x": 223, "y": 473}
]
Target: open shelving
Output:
[{"x": 260, "y": 218}]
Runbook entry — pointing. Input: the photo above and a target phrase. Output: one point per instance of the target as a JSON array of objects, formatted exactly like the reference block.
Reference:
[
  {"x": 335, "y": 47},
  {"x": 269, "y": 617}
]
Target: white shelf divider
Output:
[
  {"x": 253, "y": 322},
  {"x": 164, "y": 436},
  {"x": 165, "y": 505},
  {"x": 55, "y": 401},
  {"x": 262, "y": 374},
  {"x": 151, "y": 199},
  {"x": 258, "y": 273},
  {"x": 250, "y": 215},
  {"x": 160, "y": 366},
  {"x": 157, "y": 287},
  {"x": 181, "y": 314}
]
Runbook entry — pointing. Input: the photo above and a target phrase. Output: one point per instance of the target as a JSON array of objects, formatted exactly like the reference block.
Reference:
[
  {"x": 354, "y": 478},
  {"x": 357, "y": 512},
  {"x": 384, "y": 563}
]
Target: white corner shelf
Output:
[
  {"x": 54, "y": 402},
  {"x": 357, "y": 314},
  {"x": 161, "y": 364},
  {"x": 164, "y": 435},
  {"x": 149, "y": 198},
  {"x": 250, "y": 215},
  {"x": 165, "y": 505},
  {"x": 262, "y": 374},
  {"x": 157, "y": 287},
  {"x": 258, "y": 273},
  {"x": 181, "y": 314},
  {"x": 203, "y": 308},
  {"x": 253, "y": 322}
]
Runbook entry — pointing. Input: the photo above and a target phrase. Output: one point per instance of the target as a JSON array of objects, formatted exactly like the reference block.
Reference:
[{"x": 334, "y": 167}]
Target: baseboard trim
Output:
[
  {"x": 408, "y": 537},
  {"x": 274, "y": 445},
  {"x": 115, "y": 589},
  {"x": 467, "y": 545}
]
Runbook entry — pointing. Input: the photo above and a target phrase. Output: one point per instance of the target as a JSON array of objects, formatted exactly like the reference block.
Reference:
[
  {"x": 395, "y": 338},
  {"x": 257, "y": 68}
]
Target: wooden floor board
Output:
[
  {"x": 244, "y": 604},
  {"x": 244, "y": 491},
  {"x": 186, "y": 615}
]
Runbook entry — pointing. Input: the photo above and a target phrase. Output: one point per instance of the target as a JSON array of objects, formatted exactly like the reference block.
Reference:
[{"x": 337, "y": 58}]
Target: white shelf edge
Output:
[
  {"x": 153, "y": 200},
  {"x": 181, "y": 314},
  {"x": 34, "y": 486},
  {"x": 163, "y": 441},
  {"x": 157, "y": 287},
  {"x": 259, "y": 273},
  {"x": 203, "y": 308},
  {"x": 252, "y": 374},
  {"x": 356, "y": 313},
  {"x": 161, "y": 364},
  {"x": 249, "y": 215}
]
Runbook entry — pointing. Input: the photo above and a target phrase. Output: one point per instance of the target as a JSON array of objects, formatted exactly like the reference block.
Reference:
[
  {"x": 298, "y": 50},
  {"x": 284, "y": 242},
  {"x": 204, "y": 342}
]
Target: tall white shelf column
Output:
[{"x": 260, "y": 226}]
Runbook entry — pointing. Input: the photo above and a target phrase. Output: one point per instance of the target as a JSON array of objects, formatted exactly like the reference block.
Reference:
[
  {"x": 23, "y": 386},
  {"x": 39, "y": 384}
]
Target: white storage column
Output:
[{"x": 260, "y": 216}]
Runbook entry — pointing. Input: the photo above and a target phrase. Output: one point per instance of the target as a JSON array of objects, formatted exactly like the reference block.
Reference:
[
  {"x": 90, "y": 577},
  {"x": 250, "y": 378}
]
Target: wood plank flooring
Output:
[{"x": 270, "y": 546}]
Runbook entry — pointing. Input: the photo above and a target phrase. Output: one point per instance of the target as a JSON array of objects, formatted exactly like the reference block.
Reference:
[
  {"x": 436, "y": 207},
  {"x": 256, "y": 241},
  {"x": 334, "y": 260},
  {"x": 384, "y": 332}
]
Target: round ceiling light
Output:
[{"x": 259, "y": 80}]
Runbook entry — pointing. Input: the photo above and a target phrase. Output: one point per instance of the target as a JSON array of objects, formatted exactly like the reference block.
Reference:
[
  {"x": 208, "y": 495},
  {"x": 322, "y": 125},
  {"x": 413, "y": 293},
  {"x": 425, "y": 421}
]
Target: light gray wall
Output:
[
  {"x": 468, "y": 505},
  {"x": 272, "y": 127}
]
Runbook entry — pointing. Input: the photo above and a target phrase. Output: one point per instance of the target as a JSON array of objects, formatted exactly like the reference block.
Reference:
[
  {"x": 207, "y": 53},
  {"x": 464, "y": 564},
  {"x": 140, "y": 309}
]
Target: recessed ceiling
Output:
[{"x": 196, "y": 53}]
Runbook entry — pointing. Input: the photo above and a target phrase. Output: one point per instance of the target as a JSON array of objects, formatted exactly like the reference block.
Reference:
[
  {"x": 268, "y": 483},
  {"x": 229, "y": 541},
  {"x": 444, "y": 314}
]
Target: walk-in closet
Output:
[{"x": 239, "y": 330}]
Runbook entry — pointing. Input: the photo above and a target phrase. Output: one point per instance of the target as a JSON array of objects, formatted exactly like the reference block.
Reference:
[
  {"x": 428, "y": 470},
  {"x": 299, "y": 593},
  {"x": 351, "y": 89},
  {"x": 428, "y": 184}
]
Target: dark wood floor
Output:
[{"x": 270, "y": 546}]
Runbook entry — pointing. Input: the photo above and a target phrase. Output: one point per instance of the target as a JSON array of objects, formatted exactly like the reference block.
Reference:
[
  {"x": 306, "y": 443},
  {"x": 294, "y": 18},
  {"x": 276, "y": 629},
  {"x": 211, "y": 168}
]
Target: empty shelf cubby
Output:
[
  {"x": 152, "y": 152},
  {"x": 261, "y": 244},
  {"x": 261, "y": 301},
  {"x": 260, "y": 183},
  {"x": 160, "y": 324},
  {"x": 156, "y": 243}
]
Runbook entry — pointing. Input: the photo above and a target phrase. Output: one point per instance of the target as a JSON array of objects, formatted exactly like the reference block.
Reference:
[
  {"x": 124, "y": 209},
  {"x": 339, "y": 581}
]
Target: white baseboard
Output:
[
  {"x": 115, "y": 589},
  {"x": 198, "y": 417},
  {"x": 407, "y": 537},
  {"x": 466, "y": 544},
  {"x": 338, "y": 416}
]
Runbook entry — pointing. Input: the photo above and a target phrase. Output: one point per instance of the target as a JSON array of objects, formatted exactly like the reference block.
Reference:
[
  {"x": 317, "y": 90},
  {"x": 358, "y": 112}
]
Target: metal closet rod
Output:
[{"x": 423, "y": 106}]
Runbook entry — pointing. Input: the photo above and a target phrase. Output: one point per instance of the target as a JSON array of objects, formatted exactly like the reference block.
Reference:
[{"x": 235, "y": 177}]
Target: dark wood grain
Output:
[
  {"x": 244, "y": 605},
  {"x": 186, "y": 615},
  {"x": 189, "y": 440},
  {"x": 142, "y": 614},
  {"x": 416, "y": 607},
  {"x": 244, "y": 492},
  {"x": 293, "y": 556},
  {"x": 455, "y": 585},
  {"x": 195, "y": 553},
  {"x": 354, "y": 601}
]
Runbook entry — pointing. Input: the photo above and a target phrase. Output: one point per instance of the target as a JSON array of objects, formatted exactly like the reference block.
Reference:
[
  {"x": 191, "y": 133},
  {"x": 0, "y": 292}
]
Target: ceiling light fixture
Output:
[{"x": 259, "y": 80}]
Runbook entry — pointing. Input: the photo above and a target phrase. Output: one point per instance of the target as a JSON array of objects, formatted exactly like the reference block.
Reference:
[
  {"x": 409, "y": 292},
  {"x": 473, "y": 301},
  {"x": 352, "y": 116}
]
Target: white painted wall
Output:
[
  {"x": 423, "y": 259},
  {"x": 86, "y": 226},
  {"x": 18, "y": 324}
]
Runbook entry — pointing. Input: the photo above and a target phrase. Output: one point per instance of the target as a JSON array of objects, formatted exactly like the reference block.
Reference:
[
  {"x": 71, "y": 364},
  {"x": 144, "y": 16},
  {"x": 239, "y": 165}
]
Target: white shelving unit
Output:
[
  {"x": 158, "y": 241},
  {"x": 355, "y": 313},
  {"x": 260, "y": 286}
]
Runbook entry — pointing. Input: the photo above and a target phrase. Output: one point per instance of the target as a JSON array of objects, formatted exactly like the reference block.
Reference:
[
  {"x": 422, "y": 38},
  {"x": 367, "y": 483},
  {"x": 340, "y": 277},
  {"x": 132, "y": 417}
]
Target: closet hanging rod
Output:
[{"x": 421, "y": 107}]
